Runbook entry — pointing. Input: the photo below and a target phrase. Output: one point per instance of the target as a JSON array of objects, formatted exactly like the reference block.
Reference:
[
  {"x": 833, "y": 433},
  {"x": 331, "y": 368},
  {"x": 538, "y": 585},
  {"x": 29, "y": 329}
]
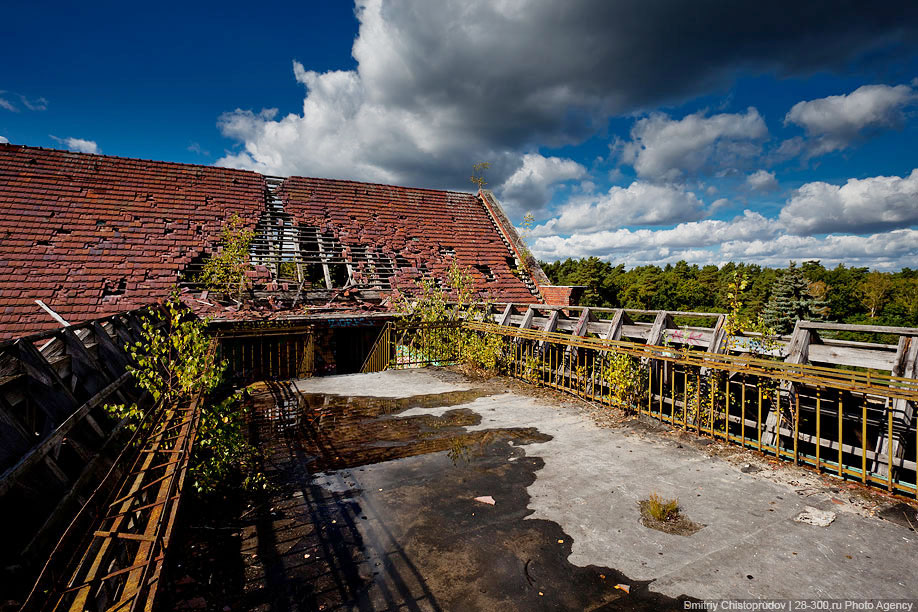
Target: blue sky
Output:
[{"x": 636, "y": 132}]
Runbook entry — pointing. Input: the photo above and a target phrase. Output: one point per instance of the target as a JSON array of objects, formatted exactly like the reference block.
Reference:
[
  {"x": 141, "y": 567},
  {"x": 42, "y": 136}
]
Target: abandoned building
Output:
[{"x": 89, "y": 243}]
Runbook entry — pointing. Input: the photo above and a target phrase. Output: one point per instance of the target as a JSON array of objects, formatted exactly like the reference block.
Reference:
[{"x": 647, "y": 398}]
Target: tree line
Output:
[{"x": 781, "y": 296}]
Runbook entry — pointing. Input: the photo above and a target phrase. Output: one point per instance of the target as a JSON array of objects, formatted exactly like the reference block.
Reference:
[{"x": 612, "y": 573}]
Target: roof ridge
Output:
[
  {"x": 263, "y": 175},
  {"x": 124, "y": 158},
  {"x": 355, "y": 182}
]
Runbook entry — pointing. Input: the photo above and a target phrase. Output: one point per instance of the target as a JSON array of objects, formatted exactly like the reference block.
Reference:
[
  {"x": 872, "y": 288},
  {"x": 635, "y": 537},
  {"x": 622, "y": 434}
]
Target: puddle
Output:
[
  {"x": 333, "y": 431},
  {"x": 370, "y": 510}
]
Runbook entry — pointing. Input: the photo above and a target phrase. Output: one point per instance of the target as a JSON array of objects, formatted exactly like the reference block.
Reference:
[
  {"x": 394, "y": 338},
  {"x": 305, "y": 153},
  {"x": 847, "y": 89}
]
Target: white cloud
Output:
[
  {"x": 668, "y": 149},
  {"x": 4, "y": 140},
  {"x": 79, "y": 145},
  {"x": 195, "y": 147},
  {"x": 38, "y": 104},
  {"x": 640, "y": 203},
  {"x": 530, "y": 187},
  {"x": 762, "y": 180},
  {"x": 835, "y": 122},
  {"x": 885, "y": 251},
  {"x": 441, "y": 86},
  {"x": 749, "y": 238},
  {"x": 859, "y": 206},
  {"x": 695, "y": 235}
]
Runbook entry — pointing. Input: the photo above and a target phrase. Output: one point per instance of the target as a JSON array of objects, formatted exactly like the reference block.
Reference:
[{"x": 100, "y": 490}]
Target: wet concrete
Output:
[{"x": 374, "y": 510}]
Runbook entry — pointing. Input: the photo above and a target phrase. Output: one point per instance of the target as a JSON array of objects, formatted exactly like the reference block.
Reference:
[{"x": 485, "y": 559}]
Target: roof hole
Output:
[
  {"x": 109, "y": 291},
  {"x": 486, "y": 271}
]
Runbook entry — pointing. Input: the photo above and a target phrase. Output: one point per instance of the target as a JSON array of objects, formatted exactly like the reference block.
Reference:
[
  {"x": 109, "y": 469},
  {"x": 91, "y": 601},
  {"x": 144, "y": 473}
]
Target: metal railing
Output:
[
  {"x": 415, "y": 345},
  {"x": 836, "y": 420}
]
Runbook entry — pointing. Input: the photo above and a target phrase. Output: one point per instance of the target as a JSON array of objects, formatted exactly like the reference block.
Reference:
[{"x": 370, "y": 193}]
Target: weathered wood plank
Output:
[
  {"x": 504, "y": 318},
  {"x": 879, "y": 329},
  {"x": 903, "y": 413}
]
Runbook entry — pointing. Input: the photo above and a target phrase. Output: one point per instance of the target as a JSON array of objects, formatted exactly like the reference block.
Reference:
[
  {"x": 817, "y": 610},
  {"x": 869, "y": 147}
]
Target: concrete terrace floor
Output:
[{"x": 373, "y": 507}]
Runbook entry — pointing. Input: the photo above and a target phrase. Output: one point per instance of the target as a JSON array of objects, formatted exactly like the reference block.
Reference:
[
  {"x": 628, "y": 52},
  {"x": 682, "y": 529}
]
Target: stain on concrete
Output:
[{"x": 373, "y": 510}]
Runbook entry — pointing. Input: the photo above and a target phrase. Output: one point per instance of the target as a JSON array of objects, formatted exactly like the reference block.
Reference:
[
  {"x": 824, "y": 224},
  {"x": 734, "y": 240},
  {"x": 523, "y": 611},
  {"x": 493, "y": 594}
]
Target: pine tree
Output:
[{"x": 791, "y": 301}]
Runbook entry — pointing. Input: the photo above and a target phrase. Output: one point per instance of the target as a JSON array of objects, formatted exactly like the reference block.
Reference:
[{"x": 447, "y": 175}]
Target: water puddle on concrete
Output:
[{"x": 369, "y": 510}]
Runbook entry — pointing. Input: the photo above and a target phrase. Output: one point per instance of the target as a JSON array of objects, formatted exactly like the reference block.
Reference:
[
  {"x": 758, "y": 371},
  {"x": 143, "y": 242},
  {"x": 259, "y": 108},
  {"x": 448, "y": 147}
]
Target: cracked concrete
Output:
[{"x": 593, "y": 478}]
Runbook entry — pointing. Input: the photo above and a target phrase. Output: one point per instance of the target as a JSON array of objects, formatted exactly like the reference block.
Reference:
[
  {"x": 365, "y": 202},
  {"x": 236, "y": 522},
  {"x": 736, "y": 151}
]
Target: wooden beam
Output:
[
  {"x": 549, "y": 326},
  {"x": 718, "y": 344},
  {"x": 614, "y": 332},
  {"x": 798, "y": 352},
  {"x": 663, "y": 321},
  {"x": 878, "y": 329},
  {"x": 84, "y": 366},
  {"x": 325, "y": 271},
  {"x": 505, "y": 317},
  {"x": 903, "y": 412}
]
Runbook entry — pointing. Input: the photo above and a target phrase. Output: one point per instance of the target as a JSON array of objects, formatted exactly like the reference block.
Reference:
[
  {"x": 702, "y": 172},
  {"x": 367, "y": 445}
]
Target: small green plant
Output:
[
  {"x": 478, "y": 171},
  {"x": 626, "y": 380},
  {"x": 661, "y": 509},
  {"x": 173, "y": 362},
  {"x": 225, "y": 270},
  {"x": 764, "y": 339},
  {"x": 458, "y": 301}
]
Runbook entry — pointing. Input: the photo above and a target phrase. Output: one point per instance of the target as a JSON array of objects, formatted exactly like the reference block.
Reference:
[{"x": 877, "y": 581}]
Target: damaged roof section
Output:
[
  {"x": 91, "y": 235},
  {"x": 384, "y": 237}
]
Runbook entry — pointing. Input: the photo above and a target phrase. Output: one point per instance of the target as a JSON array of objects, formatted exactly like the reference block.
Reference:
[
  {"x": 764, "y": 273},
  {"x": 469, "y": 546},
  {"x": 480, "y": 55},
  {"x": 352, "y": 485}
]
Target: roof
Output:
[
  {"x": 418, "y": 231},
  {"x": 92, "y": 235}
]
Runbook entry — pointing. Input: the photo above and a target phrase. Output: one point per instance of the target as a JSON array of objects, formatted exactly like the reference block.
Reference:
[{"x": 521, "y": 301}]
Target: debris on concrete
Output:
[
  {"x": 486, "y": 499},
  {"x": 624, "y": 587},
  {"x": 815, "y": 516}
]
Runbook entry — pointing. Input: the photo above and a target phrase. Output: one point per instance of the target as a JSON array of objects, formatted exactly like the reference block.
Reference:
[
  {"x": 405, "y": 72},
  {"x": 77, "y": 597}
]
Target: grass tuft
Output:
[{"x": 662, "y": 509}]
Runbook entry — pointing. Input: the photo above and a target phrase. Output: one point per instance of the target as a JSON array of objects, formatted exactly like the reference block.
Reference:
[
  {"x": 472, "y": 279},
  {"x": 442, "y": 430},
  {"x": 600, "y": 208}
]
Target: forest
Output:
[{"x": 780, "y": 296}]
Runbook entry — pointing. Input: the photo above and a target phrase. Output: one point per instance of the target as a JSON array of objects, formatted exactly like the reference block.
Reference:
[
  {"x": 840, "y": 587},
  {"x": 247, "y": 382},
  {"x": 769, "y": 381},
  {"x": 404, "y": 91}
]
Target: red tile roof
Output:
[
  {"x": 91, "y": 235},
  {"x": 423, "y": 228}
]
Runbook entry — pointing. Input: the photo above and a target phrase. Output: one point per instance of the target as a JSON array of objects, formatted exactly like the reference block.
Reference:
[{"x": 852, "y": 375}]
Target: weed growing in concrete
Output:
[
  {"x": 665, "y": 515},
  {"x": 662, "y": 509}
]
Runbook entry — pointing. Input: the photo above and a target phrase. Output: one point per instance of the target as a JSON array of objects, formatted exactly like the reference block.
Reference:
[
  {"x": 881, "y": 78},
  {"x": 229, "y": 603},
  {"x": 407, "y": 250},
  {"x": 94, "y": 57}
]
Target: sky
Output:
[{"x": 637, "y": 132}]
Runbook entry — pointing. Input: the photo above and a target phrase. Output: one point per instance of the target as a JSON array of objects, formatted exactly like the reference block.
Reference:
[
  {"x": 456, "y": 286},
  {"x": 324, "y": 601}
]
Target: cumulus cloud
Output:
[
  {"x": 668, "y": 149},
  {"x": 693, "y": 235},
  {"x": 835, "y": 122},
  {"x": 762, "y": 180},
  {"x": 79, "y": 145},
  {"x": 865, "y": 222},
  {"x": 640, "y": 203},
  {"x": 440, "y": 86},
  {"x": 885, "y": 250},
  {"x": 859, "y": 206},
  {"x": 4, "y": 140},
  {"x": 530, "y": 187},
  {"x": 750, "y": 237}
]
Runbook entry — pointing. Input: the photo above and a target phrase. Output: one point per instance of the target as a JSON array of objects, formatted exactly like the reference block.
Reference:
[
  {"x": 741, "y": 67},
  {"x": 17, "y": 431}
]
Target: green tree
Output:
[
  {"x": 875, "y": 291},
  {"x": 225, "y": 270},
  {"x": 790, "y": 301}
]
